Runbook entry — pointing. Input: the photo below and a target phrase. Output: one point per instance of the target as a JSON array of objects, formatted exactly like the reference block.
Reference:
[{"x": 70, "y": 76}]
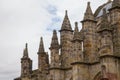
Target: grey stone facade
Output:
[{"x": 93, "y": 53}]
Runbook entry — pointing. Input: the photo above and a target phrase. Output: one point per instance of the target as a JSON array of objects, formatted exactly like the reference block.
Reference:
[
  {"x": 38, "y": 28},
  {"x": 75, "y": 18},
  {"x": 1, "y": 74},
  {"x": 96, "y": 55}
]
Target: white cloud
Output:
[{"x": 24, "y": 21}]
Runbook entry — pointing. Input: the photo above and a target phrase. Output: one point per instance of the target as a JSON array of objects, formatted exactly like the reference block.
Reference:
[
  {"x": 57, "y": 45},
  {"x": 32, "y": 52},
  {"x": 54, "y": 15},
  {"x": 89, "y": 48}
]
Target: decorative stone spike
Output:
[
  {"x": 66, "y": 23},
  {"x": 41, "y": 46},
  {"x": 76, "y": 32},
  {"x": 54, "y": 42},
  {"x": 76, "y": 27},
  {"x": 88, "y": 14},
  {"x": 25, "y": 53}
]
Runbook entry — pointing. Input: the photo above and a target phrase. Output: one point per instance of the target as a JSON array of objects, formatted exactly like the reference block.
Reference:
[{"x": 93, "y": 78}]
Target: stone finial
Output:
[
  {"x": 26, "y": 45},
  {"x": 76, "y": 32},
  {"x": 88, "y": 14},
  {"x": 66, "y": 13},
  {"x": 41, "y": 46},
  {"x": 25, "y": 53},
  {"x": 66, "y": 23},
  {"x": 54, "y": 42},
  {"x": 76, "y": 27}
]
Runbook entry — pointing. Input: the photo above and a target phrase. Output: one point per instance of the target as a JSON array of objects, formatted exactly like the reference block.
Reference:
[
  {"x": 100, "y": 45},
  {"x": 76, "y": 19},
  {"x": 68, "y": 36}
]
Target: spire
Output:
[
  {"x": 25, "y": 53},
  {"x": 116, "y": 3},
  {"x": 41, "y": 46},
  {"x": 88, "y": 14},
  {"x": 104, "y": 24},
  {"x": 66, "y": 23},
  {"x": 76, "y": 27},
  {"x": 54, "y": 42},
  {"x": 76, "y": 32}
]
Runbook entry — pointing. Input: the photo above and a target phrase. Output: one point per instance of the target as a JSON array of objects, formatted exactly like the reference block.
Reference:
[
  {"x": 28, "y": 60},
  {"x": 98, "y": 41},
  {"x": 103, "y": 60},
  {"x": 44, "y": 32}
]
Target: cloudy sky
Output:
[{"x": 24, "y": 21}]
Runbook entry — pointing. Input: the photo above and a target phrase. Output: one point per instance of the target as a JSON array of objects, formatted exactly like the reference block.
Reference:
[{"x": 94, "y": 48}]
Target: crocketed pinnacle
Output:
[
  {"x": 54, "y": 42},
  {"x": 76, "y": 27},
  {"x": 41, "y": 46},
  {"x": 104, "y": 23},
  {"x": 66, "y": 23},
  {"x": 88, "y": 14},
  {"x": 116, "y": 3},
  {"x": 25, "y": 53},
  {"x": 76, "y": 32}
]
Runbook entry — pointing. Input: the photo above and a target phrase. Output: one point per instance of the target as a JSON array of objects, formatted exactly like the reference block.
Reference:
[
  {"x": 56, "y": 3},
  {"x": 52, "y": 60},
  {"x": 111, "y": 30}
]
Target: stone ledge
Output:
[
  {"x": 114, "y": 56},
  {"x": 117, "y": 7},
  {"x": 88, "y": 20},
  {"x": 60, "y": 68},
  {"x": 85, "y": 63}
]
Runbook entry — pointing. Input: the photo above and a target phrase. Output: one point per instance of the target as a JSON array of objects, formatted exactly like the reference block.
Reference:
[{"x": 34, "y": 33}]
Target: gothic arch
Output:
[{"x": 97, "y": 76}]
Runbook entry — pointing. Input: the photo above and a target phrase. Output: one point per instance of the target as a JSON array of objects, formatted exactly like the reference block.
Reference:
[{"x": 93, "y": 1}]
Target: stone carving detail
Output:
[{"x": 80, "y": 54}]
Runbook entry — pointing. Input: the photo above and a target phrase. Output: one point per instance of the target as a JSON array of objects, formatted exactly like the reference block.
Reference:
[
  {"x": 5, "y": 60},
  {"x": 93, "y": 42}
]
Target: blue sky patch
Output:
[
  {"x": 52, "y": 9},
  {"x": 55, "y": 24}
]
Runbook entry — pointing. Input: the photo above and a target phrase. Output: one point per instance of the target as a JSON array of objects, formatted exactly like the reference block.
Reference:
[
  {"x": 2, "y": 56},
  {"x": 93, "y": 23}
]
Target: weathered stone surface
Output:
[{"x": 90, "y": 54}]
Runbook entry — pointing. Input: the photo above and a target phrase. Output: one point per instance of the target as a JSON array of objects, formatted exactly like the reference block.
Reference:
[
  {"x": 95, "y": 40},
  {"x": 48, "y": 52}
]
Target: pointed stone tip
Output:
[
  {"x": 76, "y": 23},
  {"x": 41, "y": 46},
  {"x": 66, "y": 12},
  {"x": 54, "y": 31},
  {"x": 88, "y": 3},
  {"x": 25, "y": 51},
  {"x": 66, "y": 25},
  {"x": 88, "y": 15},
  {"x": 41, "y": 38},
  {"x": 26, "y": 45},
  {"x": 76, "y": 27}
]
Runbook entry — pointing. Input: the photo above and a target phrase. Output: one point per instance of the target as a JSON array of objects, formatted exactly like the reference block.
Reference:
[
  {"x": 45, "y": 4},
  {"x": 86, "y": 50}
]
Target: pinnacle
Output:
[
  {"x": 25, "y": 53},
  {"x": 54, "y": 32},
  {"x": 41, "y": 46},
  {"x": 88, "y": 14},
  {"x": 76, "y": 32},
  {"x": 54, "y": 42},
  {"x": 26, "y": 45},
  {"x": 66, "y": 23},
  {"x": 66, "y": 13},
  {"x": 76, "y": 27},
  {"x": 88, "y": 10}
]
